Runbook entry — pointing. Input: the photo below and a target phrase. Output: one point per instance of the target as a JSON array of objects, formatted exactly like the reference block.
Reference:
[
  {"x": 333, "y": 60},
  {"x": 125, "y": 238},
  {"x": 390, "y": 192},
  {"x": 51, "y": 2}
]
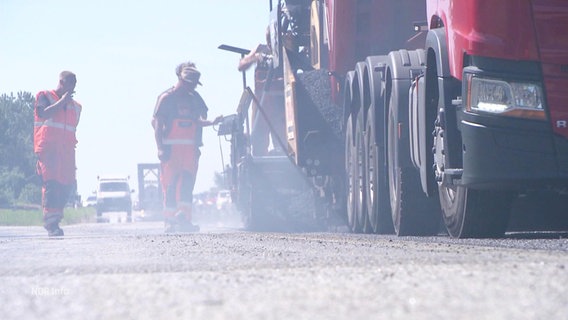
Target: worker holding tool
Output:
[{"x": 179, "y": 116}]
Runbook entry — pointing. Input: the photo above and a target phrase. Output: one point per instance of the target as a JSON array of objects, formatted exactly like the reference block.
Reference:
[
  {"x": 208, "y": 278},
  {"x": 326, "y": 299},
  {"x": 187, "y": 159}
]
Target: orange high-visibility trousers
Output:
[
  {"x": 56, "y": 166},
  {"x": 179, "y": 171}
]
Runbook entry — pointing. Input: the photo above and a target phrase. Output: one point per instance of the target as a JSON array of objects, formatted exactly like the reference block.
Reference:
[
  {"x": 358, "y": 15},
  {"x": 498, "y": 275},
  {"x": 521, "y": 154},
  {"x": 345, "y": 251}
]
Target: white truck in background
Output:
[{"x": 114, "y": 194}]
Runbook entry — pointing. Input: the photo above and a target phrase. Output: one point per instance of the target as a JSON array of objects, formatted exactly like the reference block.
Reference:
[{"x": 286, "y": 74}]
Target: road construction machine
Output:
[{"x": 406, "y": 116}]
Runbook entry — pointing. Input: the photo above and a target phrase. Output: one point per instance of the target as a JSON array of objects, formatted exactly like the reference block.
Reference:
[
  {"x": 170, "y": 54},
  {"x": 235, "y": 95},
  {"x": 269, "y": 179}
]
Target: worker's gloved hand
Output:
[
  {"x": 217, "y": 120},
  {"x": 164, "y": 154}
]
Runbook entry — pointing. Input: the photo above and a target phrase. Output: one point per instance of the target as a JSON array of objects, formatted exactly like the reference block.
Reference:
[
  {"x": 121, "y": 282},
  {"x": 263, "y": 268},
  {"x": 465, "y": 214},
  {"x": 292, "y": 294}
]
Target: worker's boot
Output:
[
  {"x": 170, "y": 221},
  {"x": 187, "y": 226},
  {"x": 51, "y": 224},
  {"x": 170, "y": 225},
  {"x": 184, "y": 219},
  {"x": 55, "y": 231}
]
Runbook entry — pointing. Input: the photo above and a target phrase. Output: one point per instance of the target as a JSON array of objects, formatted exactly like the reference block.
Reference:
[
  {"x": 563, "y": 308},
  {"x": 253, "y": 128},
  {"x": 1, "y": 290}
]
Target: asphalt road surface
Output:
[{"x": 132, "y": 270}]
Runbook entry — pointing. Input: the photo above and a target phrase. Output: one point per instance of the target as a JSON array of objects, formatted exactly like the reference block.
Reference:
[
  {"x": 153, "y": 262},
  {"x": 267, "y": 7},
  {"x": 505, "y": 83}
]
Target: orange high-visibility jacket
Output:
[
  {"x": 182, "y": 139},
  {"x": 58, "y": 129}
]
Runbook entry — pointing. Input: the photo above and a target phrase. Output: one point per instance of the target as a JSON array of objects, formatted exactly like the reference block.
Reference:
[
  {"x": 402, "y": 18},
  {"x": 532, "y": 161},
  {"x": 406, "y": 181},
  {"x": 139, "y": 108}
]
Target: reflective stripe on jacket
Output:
[
  {"x": 182, "y": 133},
  {"x": 60, "y": 128},
  {"x": 184, "y": 156}
]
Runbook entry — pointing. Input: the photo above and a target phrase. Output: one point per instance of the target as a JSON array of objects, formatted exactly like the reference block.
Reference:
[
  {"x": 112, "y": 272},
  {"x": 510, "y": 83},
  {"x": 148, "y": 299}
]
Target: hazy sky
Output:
[{"x": 124, "y": 53}]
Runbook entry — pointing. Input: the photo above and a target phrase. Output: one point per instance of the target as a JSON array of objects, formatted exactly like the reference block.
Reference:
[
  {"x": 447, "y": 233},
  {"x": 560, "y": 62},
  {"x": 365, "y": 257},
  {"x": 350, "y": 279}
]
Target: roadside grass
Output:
[{"x": 32, "y": 216}]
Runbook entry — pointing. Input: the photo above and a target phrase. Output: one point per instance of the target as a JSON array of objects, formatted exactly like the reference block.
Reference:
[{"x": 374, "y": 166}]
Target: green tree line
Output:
[{"x": 19, "y": 182}]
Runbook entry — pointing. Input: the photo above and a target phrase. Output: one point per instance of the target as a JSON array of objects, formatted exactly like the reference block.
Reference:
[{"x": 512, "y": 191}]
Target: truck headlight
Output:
[{"x": 517, "y": 99}]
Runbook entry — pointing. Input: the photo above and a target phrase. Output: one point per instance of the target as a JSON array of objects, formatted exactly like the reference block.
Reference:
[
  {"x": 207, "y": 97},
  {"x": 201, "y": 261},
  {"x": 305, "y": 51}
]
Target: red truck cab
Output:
[{"x": 501, "y": 120}]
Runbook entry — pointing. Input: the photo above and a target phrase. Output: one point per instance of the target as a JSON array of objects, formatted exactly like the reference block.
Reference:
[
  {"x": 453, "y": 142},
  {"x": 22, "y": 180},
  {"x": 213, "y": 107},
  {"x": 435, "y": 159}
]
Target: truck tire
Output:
[
  {"x": 470, "y": 213},
  {"x": 378, "y": 207},
  {"x": 361, "y": 175},
  {"x": 413, "y": 213},
  {"x": 351, "y": 174}
]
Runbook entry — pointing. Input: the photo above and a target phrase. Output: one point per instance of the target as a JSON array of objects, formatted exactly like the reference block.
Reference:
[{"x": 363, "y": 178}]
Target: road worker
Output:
[
  {"x": 179, "y": 116},
  {"x": 269, "y": 90},
  {"x": 56, "y": 115}
]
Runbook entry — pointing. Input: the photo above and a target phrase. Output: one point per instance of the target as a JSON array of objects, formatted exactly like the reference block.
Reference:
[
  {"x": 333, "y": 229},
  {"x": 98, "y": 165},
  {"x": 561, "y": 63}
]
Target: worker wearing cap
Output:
[
  {"x": 179, "y": 116},
  {"x": 56, "y": 116}
]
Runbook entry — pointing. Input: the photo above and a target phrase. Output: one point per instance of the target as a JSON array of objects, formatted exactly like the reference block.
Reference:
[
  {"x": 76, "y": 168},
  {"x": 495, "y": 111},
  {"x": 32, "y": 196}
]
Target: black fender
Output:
[
  {"x": 436, "y": 42},
  {"x": 376, "y": 73},
  {"x": 439, "y": 99},
  {"x": 404, "y": 67},
  {"x": 360, "y": 93}
]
